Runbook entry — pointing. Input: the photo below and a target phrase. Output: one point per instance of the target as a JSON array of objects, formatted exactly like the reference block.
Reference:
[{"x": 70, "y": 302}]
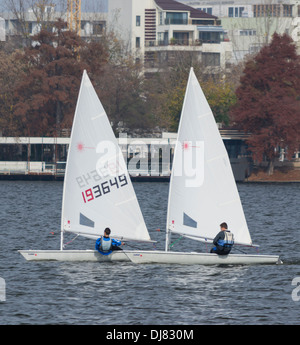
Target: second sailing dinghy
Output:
[
  {"x": 98, "y": 192},
  {"x": 203, "y": 192}
]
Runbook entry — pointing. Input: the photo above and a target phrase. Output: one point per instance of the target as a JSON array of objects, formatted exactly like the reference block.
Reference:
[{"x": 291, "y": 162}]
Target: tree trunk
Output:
[
  {"x": 58, "y": 117},
  {"x": 271, "y": 167}
]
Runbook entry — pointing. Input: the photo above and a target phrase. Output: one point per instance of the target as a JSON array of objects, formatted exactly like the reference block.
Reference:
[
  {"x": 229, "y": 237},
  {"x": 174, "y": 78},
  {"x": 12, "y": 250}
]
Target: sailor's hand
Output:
[{"x": 123, "y": 243}]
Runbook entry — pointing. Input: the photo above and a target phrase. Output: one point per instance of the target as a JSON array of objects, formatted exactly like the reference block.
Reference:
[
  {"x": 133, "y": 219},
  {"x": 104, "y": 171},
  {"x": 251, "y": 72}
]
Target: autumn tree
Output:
[
  {"x": 220, "y": 94},
  {"x": 45, "y": 94},
  {"x": 46, "y": 98},
  {"x": 218, "y": 89},
  {"x": 268, "y": 100},
  {"x": 11, "y": 70}
]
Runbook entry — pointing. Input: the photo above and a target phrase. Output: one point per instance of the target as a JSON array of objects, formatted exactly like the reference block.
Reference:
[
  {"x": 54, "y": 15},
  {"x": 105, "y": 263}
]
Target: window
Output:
[
  {"x": 211, "y": 59},
  {"x": 266, "y": 10},
  {"x": 210, "y": 37},
  {"x": 138, "y": 21},
  {"x": 287, "y": 10},
  {"x": 176, "y": 18},
  {"x": 181, "y": 38},
  {"x": 137, "y": 42},
  {"x": 247, "y": 32},
  {"x": 97, "y": 28},
  {"x": 235, "y": 12},
  {"x": 206, "y": 10}
]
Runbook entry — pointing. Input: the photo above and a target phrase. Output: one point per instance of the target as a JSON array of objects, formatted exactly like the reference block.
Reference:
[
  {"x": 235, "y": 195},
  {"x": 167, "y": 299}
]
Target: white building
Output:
[
  {"x": 157, "y": 29},
  {"x": 2, "y": 29},
  {"x": 251, "y": 23}
]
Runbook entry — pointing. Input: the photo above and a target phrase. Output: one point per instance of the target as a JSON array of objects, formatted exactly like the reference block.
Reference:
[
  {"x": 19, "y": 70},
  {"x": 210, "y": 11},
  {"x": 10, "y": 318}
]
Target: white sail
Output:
[
  {"x": 98, "y": 192},
  {"x": 203, "y": 192}
]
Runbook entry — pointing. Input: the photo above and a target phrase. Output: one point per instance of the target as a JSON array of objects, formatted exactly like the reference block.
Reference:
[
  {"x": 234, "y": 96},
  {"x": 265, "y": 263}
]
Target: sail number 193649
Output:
[{"x": 104, "y": 188}]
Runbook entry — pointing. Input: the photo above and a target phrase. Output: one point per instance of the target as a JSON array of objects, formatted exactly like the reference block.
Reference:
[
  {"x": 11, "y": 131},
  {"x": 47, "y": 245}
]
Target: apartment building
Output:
[
  {"x": 251, "y": 23},
  {"x": 30, "y": 22},
  {"x": 158, "y": 29}
]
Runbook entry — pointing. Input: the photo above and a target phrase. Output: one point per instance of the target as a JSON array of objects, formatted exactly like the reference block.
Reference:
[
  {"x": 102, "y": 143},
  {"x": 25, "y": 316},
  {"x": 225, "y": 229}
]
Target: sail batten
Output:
[
  {"x": 97, "y": 186},
  {"x": 210, "y": 196}
]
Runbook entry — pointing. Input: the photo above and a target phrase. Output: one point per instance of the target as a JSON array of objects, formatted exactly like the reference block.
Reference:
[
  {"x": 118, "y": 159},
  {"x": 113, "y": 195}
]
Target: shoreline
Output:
[
  {"x": 280, "y": 175},
  {"x": 51, "y": 177}
]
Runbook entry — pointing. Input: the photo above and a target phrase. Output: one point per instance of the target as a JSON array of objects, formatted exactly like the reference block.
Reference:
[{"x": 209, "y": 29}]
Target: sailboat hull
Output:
[
  {"x": 72, "y": 255},
  {"x": 144, "y": 257}
]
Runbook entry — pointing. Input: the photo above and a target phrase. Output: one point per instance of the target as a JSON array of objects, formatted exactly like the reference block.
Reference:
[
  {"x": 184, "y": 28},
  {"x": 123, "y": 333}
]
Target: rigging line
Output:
[
  {"x": 240, "y": 250},
  {"x": 122, "y": 239},
  {"x": 178, "y": 239},
  {"x": 64, "y": 246}
]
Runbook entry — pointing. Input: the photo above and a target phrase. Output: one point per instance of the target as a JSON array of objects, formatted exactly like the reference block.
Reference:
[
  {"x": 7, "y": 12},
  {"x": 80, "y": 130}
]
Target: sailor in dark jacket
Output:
[{"x": 223, "y": 241}]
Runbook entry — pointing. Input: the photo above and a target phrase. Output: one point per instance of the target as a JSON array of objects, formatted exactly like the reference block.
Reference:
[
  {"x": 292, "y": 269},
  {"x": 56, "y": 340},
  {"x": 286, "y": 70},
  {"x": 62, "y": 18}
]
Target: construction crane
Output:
[{"x": 74, "y": 15}]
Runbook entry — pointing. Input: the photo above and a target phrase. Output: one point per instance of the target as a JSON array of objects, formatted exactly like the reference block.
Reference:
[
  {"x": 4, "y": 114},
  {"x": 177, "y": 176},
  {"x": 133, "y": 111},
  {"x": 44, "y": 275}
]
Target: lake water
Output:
[{"x": 128, "y": 294}]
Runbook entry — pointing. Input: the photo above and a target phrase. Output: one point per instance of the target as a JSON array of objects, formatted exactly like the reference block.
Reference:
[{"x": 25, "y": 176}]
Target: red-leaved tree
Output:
[
  {"x": 268, "y": 101},
  {"x": 45, "y": 99}
]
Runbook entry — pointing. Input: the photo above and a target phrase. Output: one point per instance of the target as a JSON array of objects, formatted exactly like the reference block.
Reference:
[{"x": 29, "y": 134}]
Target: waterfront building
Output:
[
  {"x": 250, "y": 24},
  {"x": 144, "y": 156}
]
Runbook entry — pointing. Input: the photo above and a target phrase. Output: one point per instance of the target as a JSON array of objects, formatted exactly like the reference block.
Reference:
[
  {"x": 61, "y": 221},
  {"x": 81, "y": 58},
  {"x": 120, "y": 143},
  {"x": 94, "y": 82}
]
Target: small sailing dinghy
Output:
[
  {"x": 203, "y": 192},
  {"x": 97, "y": 192}
]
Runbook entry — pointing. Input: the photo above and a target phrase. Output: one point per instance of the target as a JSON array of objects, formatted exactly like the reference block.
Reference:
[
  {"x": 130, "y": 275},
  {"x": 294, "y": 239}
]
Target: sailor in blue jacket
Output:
[
  {"x": 105, "y": 245},
  {"x": 223, "y": 241}
]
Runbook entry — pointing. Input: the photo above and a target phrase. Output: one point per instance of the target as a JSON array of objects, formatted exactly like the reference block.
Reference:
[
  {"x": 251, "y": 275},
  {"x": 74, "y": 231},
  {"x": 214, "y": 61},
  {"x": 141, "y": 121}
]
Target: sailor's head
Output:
[
  {"x": 107, "y": 232},
  {"x": 223, "y": 226}
]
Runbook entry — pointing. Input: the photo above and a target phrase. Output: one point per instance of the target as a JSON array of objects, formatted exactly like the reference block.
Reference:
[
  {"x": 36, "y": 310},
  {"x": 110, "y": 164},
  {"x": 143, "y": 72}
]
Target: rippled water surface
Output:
[{"x": 72, "y": 293}]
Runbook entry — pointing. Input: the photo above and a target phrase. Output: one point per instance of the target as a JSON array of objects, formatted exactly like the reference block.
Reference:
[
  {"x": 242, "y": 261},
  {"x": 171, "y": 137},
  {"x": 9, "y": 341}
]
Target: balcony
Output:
[
  {"x": 204, "y": 39},
  {"x": 173, "y": 42},
  {"x": 176, "y": 21}
]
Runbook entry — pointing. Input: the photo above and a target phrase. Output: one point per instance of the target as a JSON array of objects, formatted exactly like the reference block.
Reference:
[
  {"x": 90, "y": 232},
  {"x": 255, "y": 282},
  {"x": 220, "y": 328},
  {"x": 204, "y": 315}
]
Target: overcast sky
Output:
[{"x": 86, "y": 5}]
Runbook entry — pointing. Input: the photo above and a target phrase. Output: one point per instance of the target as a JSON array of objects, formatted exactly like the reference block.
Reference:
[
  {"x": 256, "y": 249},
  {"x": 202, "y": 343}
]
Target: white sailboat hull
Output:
[
  {"x": 145, "y": 257},
  {"x": 193, "y": 258},
  {"x": 72, "y": 255}
]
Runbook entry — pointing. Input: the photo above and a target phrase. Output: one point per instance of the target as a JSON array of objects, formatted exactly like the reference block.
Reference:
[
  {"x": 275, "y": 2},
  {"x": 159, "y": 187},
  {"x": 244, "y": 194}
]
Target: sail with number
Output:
[
  {"x": 98, "y": 192},
  {"x": 203, "y": 192}
]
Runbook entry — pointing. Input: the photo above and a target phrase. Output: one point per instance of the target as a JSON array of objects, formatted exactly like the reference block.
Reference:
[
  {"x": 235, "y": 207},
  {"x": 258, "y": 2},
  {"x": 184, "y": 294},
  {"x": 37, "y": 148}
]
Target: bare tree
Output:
[{"x": 25, "y": 11}]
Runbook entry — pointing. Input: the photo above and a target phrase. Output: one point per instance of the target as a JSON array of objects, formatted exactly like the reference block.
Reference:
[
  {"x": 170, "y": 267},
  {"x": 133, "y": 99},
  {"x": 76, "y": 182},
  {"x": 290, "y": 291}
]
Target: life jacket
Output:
[
  {"x": 105, "y": 245},
  {"x": 228, "y": 240}
]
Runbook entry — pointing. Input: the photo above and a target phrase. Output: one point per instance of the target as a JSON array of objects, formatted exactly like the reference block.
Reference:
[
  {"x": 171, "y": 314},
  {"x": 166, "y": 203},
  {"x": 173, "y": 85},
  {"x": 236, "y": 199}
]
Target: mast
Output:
[
  {"x": 168, "y": 230},
  {"x": 66, "y": 169},
  {"x": 61, "y": 239}
]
